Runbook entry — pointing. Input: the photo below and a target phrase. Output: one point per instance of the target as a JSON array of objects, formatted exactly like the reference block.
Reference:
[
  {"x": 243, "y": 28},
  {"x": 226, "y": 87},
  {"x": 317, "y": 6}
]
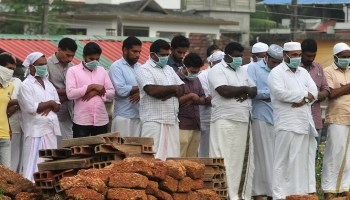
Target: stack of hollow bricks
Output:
[
  {"x": 214, "y": 176},
  {"x": 88, "y": 152}
]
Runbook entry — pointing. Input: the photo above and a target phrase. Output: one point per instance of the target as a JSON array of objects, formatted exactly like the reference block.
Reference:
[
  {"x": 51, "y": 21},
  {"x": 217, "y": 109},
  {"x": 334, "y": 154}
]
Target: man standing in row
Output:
[
  {"x": 292, "y": 92},
  {"x": 159, "y": 104},
  {"x": 230, "y": 137},
  {"x": 57, "y": 66},
  {"x": 39, "y": 104},
  {"x": 88, "y": 84},
  {"x": 126, "y": 117},
  {"x": 262, "y": 123},
  {"x": 336, "y": 165},
  {"x": 179, "y": 48},
  {"x": 189, "y": 105},
  {"x": 258, "y": 53},
  {"x": 308, "y": 55}
]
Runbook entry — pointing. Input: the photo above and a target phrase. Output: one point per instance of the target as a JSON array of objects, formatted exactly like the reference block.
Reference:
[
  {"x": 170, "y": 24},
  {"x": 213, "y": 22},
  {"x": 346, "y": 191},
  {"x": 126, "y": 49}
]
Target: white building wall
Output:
[
  {"x": 167, "y": 4},
  {"x": 93, "y": 27}
]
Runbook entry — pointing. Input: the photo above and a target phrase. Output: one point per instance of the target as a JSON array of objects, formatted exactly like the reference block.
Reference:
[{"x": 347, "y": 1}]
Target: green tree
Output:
[{"x": 24, "y": 17}]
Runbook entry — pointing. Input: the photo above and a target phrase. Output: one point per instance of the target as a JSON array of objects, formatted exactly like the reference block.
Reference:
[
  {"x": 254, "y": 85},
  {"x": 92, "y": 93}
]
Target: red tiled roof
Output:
[
  {"x": 112, "y": 50},
  {"x": 21, "y": 48}
]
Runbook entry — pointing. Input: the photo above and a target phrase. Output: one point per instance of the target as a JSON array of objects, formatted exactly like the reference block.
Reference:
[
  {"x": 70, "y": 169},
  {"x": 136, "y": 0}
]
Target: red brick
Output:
[
  {"x": 185, "y": 185},
  {"x": 158, "y": 167},
  {"x": 84, "y": 193},
  {"x": 5, "y": 198},
  {"x": 124, "y": 193},
  {"x": 302, "y": 197},
  {"x": 140, "y": 167},
  {"x": 28, "y": 196},
  {"x": 128, "y": 180},
  {"x": 151, "y": 197},
  {"x": 175, "y": 169},
  {"x": 103, "y": 174},
  {"x": 197, "y": 184},
  {"x": 193, "y": 169},
  {"x": 169, "y": 184},
  {"x": 193, "y": 195},
  {"x": 180, "y": 196},
  {"x": 83, "y": 182},
  {"x": 206, "y": 194},
  {"x": 166, "y": 196}
]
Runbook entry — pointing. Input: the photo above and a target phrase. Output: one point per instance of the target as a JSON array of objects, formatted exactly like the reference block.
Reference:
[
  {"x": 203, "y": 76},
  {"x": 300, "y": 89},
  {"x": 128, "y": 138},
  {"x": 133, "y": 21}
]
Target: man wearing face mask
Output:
[
  {"x": 89, "y": 86},
  {"x": 336, "y": 173},
  {"x": 292, "y": 92},
  {"x": 262, "y": 123},
  {"x": 159, "y": 105},
  {"x": 214, "y": 56},
  {"x": 6, "y": 89},
  {"x": 58, "y": 65},
  {"x": 189, "y": 109},
  {"x": 230, "y": 132},
  {"x": 309, "y": 50},
  {"x": 179, "y": 48},
  {"x": 258, "y": 53},
  {"x": 39, "y": 104},
  {"x": 126, "y": 117}
]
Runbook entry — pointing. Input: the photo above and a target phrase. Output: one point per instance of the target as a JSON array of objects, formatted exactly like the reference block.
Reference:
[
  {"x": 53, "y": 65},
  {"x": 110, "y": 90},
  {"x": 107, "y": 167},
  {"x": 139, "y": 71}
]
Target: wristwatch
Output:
[{"x": 306, "y": 100}]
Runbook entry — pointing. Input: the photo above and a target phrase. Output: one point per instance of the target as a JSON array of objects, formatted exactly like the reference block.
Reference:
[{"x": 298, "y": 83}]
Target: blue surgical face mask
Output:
[
  {"x": 266, "y": 67},
  {"x": 41, "y": 71},
  {"x": 260, "y": 59},
  {"x": 92, "y": 65},
  {"x": 236, "y": 62},
  {"x": 294, "y": 62},
  {"x": 162, "y": 61},
  {"x": 191, "y": 76},
  {"x": 343, "y": 62}
]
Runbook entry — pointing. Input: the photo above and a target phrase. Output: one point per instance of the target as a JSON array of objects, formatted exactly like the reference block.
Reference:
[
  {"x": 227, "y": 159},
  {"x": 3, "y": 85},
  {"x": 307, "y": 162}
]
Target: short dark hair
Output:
[
  {"x": 158, "y": 45},
  {"x": 211, "y": 48},
  {"x": 67, "y": 43},
  {"x": 92, "y": 48},
  {"x": 180, "y": 41},
  {"x": 6, "y": 59},
  {"x": 193, "y": 60},
  {"x": 309, "y": 45},
  {"x": 131, "y": 41},
  {"x": 233, "y": 46}
]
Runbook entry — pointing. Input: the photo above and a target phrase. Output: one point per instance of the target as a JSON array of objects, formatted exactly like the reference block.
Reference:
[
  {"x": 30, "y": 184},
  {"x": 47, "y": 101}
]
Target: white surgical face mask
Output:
[{"x": 5, "y": 76}]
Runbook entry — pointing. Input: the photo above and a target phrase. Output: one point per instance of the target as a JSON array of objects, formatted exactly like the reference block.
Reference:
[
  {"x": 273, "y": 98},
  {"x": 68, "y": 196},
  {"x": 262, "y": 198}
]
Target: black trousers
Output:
[{"x": 85, "y": 131}]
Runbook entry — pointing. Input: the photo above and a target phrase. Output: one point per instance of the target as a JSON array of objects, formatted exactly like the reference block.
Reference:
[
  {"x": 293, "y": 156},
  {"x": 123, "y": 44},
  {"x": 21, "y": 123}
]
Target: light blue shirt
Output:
[
  {"x": 262, "y": 110},
  {"x": 123, "y": 77}
]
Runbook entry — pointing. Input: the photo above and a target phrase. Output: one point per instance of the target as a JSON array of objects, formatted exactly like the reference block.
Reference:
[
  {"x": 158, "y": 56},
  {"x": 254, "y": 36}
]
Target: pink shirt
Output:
[{"x": 92, "y": 112}]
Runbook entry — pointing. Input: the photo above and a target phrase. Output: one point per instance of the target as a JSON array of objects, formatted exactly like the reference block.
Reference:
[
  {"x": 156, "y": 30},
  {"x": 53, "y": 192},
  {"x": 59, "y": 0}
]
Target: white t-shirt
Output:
[{"x": 16, "y": 117}]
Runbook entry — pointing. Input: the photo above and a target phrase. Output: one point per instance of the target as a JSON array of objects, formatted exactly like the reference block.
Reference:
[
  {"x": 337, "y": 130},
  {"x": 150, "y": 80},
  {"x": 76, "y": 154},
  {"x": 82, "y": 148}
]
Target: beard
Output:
[{"x": 131, "y": 61}]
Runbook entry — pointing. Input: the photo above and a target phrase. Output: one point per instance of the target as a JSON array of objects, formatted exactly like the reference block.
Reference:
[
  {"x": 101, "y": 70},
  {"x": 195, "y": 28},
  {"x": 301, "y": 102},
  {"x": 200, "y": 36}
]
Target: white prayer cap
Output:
[
  {"x": 275, "y": 51},
  {"x": 339, "y": 47},
  {"x": 217, "y": 55},
  {"x": 259, "y": 47},
  {"x": 291, "y": 46},
  {"x": 31, "y": 58}
]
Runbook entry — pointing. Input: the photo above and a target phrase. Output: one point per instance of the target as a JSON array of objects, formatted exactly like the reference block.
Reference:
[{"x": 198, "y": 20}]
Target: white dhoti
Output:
[
  {"x": 336, "y": 160},
  {"x": 127, "y": 127},
  {"x": 204, "y": 140},
  {"x": 16, "y": 152},
  {"x": 66, "y": 128},
  {"x": 294, "y": 164},
  {"x": 31, "y": 148},
  {"x": 166, "y": 138},
  {"x": 230, "y": 139},
  {"x": 264, "y": 143}
]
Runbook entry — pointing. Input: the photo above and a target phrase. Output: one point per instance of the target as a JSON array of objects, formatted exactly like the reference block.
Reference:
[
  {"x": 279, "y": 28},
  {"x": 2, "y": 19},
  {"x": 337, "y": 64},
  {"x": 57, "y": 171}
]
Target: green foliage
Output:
[
  {"x": 263, "y": 19},
  {"x": 24, "y": 17}
]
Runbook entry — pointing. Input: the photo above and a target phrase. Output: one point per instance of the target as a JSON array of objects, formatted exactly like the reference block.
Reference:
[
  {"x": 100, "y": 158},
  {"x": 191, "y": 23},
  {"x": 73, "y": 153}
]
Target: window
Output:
[
  {"x": 111, "y": 32},
  {"x": 136, "y": 31}
]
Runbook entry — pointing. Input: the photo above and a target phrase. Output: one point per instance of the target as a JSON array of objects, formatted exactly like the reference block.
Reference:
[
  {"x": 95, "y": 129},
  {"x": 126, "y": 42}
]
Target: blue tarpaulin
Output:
[{"x": 305, "y": 2}]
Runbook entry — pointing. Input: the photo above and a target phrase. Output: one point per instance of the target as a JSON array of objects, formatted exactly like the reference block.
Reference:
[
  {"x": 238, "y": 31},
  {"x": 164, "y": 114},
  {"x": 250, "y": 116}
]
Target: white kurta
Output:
[
  {"x": 39, "y": 131},
  {"x": 336, "y": 160},
  {"x": 295, "y": 145}
]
